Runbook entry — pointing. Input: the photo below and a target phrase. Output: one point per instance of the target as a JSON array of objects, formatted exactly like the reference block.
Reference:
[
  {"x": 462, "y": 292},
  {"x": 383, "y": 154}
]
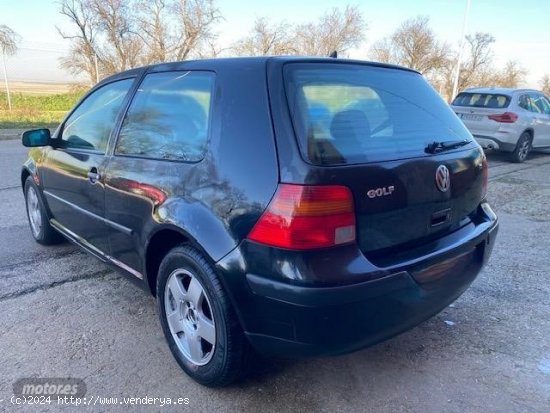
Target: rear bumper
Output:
[
  {"x": 497, "y": 142},
  {"x": 284, "y": 318}
]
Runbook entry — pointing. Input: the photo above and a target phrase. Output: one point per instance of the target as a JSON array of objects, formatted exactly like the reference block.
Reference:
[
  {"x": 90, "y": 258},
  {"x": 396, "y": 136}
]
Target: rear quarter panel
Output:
[{"x": 214, "y": 202}]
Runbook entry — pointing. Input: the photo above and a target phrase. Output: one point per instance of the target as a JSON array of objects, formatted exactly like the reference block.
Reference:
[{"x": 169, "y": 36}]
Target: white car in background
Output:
[{"x": 509, "y": 120}]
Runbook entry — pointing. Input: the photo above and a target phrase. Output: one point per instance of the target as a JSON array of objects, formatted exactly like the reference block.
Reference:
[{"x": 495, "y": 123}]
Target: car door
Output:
[
  {"x": 156, "y": 160},
  {"x": 541, "y": 105},
  {"x": 73, "y": 168}
]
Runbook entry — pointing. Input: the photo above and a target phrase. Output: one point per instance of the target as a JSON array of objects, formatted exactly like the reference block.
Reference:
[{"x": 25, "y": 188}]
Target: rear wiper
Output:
[{"x": 436, "y": 147}]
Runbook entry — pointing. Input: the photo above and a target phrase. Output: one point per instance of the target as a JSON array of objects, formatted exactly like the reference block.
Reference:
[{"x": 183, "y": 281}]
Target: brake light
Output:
[
  {"x": 484, "y": 177},
  {"x": 506, "y": 117},
  {"x": 305, "y": 217}
]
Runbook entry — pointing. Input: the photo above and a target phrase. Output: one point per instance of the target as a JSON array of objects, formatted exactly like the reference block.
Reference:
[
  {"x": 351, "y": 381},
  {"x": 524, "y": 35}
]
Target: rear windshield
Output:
[
  {"x": 482, "y": 100},
  {"x": 347, "y": 114}
]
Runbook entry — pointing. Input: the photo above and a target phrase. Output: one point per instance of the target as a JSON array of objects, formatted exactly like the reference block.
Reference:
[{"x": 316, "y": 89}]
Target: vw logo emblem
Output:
[{"x": 442, "y": 178}]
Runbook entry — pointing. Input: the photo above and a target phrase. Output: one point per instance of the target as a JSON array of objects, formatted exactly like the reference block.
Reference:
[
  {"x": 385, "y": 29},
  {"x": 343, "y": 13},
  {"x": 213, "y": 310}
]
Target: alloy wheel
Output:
[
  {"x": 524, "y": 149},
  {"x": 190, "y": 317},
  {"x": 33, "y": 210}
]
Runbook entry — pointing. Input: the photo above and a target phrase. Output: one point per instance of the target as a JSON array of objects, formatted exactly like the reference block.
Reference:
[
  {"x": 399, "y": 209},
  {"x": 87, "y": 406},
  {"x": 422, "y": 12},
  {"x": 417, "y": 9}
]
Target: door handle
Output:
[{"x": 93, "y": 175}]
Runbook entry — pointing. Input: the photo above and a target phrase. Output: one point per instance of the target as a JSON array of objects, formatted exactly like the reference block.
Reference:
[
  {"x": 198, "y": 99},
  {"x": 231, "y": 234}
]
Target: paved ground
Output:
[
  {"x": 62, "y": 313},
  {"x": 8, "y": 134}
]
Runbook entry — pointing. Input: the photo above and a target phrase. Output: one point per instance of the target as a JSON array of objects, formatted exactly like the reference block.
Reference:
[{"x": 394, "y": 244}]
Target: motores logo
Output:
[{"x": 49, "y": 387}]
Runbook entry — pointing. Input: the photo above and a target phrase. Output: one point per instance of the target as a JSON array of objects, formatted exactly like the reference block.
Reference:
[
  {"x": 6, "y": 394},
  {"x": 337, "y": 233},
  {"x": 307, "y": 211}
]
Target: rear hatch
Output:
[
  {"x": 474, "y": 109},
  {"x": 373, "y": 130}
]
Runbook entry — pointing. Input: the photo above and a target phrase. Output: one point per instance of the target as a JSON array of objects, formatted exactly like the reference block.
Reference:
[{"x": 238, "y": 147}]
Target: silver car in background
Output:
[{"x": 509, "y": 120}]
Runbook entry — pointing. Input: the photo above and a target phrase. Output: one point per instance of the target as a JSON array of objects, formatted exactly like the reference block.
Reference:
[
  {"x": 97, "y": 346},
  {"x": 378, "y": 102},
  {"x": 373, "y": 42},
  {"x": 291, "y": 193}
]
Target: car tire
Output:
[
  {"x": 39, "y": 220},
  {"x": 523, "y": 148},
  {"x": 198, "y": 320}
]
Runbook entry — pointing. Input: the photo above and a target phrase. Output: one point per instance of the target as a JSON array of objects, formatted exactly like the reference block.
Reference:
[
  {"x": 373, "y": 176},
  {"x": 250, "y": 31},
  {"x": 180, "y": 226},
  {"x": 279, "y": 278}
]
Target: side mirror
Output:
[{"x": 36, "y": 137}]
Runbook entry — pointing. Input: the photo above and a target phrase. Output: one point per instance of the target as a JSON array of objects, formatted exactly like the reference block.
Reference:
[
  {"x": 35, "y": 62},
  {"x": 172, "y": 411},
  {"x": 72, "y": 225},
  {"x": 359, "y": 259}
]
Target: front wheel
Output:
[
  {"x": 199, "y": 323},
  {"x": 523, "y": 148},
  {"x": 39, "y": 221}
]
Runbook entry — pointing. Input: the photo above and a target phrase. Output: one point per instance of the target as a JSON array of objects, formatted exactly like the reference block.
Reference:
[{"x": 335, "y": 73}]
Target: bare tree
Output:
[
  {"x": 477, "y": 67},
  {"x": 479, "y": 59},
  {"x": 266, "y": 39},
  {"x": 8, "y": 47},
  {"x": 414, "y": 45},
  {"x": 336, "y": 30},
  {"x": 8, "y": 40},
  {"x": 114, "y": 35},
  {"x": 151, "y": 25},
  {"x": 545, "y": 84},
  {"x": 121, "y": 48},
  {"x": 195, "y": 20},
  {"x": 210, "y": 49},
  {"x": 511, "y": 76},
  {"x": 83, "y": 54}
]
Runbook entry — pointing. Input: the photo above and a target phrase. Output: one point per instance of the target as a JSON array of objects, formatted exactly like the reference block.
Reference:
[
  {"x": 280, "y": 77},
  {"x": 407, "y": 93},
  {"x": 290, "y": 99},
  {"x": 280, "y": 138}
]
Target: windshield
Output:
[{"x": 345, "y": 114}]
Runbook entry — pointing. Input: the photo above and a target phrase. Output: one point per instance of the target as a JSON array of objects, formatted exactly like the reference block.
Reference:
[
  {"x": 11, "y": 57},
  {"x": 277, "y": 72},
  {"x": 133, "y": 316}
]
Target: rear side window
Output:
[
  {"x": 346, "y": 114},
  {"x": 168, "y": 117},
  {"x": 524, "y": 102},
  {"x": 539, "y": 103},
  {"x": 482, "y": 100}
]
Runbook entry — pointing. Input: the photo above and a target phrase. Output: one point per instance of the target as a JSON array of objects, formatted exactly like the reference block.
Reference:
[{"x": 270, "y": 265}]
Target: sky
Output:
[{"x": 519, "y": 28}]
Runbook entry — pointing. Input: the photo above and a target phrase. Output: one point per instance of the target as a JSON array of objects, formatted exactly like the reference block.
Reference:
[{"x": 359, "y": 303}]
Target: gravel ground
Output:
[{"x": 62, "y": 313}]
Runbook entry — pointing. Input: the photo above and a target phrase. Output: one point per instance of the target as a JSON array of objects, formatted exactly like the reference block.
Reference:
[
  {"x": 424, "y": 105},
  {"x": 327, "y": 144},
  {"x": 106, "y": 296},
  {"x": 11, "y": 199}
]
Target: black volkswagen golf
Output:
[{"x": 288, "y": 206}]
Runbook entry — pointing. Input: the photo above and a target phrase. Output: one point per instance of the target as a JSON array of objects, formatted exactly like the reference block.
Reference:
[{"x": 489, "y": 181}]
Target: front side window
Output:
[
  {"x": 348, "y": 114},
  {"x": 91, "y": 124},
  {"x": 168, "y": 117}
]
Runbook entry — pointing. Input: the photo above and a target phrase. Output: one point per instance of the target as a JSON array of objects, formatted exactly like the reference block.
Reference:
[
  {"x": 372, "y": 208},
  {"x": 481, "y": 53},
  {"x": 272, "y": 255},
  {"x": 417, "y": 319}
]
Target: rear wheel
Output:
[
  {"x": 199, "y": 323},
  {"x": 523, "y": 148},
  {"x": 39, "y": 221}
]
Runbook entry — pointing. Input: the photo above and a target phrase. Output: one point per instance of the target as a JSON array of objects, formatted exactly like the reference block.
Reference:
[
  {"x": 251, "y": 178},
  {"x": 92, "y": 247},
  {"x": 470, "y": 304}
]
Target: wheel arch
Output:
[
  {"x": 159, "y": 243},
  {"x": 25, "y": 173},
  {"x": 29, "y": 169},
  {"x": 162, "y": 240},
  {"x": 531, "y": 132}
]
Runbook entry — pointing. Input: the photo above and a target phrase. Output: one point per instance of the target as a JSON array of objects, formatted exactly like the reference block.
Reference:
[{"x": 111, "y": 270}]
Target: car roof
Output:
[
  {"x": 498, "y": 90},
  {"x": 221, "y": 62}
]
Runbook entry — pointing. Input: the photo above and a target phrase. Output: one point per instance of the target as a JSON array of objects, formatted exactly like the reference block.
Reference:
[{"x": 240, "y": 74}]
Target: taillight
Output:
[
  {"x": 506, "y": 117},
  {"x": 305, "y": 217},
  {"x": 484, "y": 177}
]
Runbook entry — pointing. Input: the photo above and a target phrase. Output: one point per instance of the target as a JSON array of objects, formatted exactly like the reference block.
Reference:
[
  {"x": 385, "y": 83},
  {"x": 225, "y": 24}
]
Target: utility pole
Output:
[
  {"x": 6, "y": 80},
  {"x": 461, "y": 50}
]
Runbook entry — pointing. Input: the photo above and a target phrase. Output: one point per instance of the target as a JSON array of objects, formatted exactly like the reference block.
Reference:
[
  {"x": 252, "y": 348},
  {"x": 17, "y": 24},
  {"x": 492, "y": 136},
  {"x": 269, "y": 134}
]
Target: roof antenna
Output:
[{"x": 334, "y": 54}]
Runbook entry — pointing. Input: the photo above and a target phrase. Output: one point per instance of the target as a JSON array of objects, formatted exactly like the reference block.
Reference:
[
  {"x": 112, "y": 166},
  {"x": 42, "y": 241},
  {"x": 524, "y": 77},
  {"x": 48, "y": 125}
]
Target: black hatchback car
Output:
[{"x": 291, "y": 206}]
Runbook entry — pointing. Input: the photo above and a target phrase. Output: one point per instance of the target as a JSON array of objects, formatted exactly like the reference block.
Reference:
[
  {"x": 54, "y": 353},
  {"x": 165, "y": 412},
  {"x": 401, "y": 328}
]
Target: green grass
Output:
[
  {"x": 28, "y": 101},
  {"x": 32, "y": 111},
  {"x": 30, "y": 119},
  {"x": 35, "y": 111}
]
